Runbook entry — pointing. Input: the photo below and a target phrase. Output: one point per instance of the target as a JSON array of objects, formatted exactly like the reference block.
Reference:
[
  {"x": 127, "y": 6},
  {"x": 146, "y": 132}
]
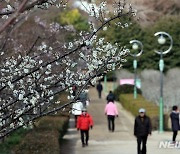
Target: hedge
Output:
[
  {"x": 125, "y": 89},
  {"x": 45, "y": 137},
  {"x": 12, "y": 140},
  {"x": 47, "y": 133},
  {"x": 152, "y": 110}
]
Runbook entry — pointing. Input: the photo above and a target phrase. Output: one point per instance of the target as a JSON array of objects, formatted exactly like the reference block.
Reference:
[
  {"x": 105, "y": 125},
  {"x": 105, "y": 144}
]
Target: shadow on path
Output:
[{"x": 68, "y": 143}]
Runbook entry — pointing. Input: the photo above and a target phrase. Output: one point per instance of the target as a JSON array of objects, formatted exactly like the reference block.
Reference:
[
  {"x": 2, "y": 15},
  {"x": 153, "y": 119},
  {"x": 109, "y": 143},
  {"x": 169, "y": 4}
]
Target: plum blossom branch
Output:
[{"x": 31, "y": 79}]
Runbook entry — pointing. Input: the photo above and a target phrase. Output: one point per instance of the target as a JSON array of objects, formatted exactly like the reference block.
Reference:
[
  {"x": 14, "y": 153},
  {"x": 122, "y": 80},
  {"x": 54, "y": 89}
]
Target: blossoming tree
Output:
[{"x": 30, "y": 78}]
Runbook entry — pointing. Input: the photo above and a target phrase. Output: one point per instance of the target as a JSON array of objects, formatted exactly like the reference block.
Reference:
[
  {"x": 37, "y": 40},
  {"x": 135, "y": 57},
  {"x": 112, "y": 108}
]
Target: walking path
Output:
[{"x": 102, "y": 141}]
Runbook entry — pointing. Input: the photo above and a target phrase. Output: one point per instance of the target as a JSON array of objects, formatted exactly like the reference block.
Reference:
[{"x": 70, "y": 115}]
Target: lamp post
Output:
[
  {"x": 162, "y": 40},
  {"x": 105, "y": 83},
  {"x": 114, "y": 80},
  {"x": 135, "y": 46}
]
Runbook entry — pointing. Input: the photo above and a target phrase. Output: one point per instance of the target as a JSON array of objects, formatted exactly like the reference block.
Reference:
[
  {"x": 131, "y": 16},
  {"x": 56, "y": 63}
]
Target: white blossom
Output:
[
  {"x": 51, "y": 98},
  {"x": 26, "y": 70},
  {"x": 9, "y": 7},
  {"x": 105, "y": 28},
  {"x": 11, "y": 125},
  {"x": 49, "y": 67},
  {"x": 5, "y": 17},
  {"x": 87, "y": 42},
  {"x": 57, "y": 102},
  {"x": 20, "y": 97},
  {"x": 47, "y": 72},
  {"x": 30, "y": 80},
  {"x": 95, "y": 54},
  {"x": 33, "y": 101}
]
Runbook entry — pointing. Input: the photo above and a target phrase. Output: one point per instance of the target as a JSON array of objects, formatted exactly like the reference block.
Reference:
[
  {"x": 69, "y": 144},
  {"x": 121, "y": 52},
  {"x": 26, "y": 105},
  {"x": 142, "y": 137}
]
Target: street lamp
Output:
[
  {"x": 162, "y": 40},
  {"x": 136, "y": 45},
  {"x": 105, "y": 83}
]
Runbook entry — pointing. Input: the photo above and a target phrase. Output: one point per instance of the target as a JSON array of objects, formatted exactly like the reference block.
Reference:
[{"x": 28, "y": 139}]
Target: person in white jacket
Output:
[{"x": 77, "y": 110}]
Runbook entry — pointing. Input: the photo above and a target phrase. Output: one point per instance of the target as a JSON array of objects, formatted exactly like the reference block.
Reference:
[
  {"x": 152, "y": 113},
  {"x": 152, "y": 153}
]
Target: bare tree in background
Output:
[
  {"x": 124, "y": 74},
  {"x": 171, "y": 90},
  {"x": 150, "y": 85},
  {"x": 31, "y": 75}
]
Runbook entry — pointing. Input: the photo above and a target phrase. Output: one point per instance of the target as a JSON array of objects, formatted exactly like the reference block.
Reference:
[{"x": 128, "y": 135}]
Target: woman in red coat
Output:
[{"x": 83, "y": 124}]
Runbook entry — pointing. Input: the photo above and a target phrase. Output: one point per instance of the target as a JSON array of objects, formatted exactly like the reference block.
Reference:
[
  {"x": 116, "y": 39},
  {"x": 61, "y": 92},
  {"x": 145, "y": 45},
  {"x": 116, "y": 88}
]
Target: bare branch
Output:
[{"x": 13, "y": 18}]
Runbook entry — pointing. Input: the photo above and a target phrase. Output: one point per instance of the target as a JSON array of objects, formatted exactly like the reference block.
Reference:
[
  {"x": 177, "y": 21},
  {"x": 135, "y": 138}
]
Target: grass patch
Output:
[{"x": 152, "y": 110}]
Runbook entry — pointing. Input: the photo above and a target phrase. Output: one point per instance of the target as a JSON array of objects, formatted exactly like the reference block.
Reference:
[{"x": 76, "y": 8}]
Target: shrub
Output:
[
  {"x": 45, "y": 137},
  {"x": 73, "y": 17},
  {"x": 111, "y": 76},
  {"x": 12, "y": 140},
  {"x": 125, "y": 89}
]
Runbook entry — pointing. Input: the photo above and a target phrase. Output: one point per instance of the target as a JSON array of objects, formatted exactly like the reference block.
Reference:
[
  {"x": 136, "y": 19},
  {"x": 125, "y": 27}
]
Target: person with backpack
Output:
[
  {"x": 84, "y": 97},
  {"x": 84, "y": 123}
]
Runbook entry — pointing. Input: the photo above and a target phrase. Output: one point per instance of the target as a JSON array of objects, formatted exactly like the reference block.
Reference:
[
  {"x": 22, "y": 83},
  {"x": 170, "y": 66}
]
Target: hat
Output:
[
  {"x": 141, "y": 110},
  {"x": 84, "y": 110}
]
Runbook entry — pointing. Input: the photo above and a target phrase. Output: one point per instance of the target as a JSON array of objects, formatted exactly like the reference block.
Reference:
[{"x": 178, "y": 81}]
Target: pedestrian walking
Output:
[
  {"x": 175, "y": 122},
  {"x": 77, "y": 110},
  {"x": 142, "y": 128},
  {"x": 84, "y": 98},
  {"x": 74, "y": 89},
  {"x": 111, "y": 112},
  {"x": 99, "y": 88},
  {"x": 110, "y": 97},
  {"x": 85, "y": 122}
]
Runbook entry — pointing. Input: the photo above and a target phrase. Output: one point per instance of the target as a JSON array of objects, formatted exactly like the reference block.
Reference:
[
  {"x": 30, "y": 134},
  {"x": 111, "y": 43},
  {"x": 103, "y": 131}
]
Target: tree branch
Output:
[{"x": 13, "y": 18}]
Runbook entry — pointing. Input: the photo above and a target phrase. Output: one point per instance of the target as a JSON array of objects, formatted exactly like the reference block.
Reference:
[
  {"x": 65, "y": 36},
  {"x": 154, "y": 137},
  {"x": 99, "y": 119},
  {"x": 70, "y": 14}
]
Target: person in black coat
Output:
[
  {"x": 110, "y": 97},
  {"x": 175, "y": 122},
  {"x": 99, "y": 88},
  {"x": 142, "y": 128}
]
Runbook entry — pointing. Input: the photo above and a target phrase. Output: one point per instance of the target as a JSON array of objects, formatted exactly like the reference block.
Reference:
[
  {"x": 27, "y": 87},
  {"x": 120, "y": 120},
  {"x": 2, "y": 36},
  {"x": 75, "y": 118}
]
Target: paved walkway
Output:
[{"x": 102, "y": 141}]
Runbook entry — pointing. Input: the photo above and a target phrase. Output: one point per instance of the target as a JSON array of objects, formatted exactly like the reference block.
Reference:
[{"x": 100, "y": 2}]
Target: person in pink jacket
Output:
[{"x": 111, "y": 112}]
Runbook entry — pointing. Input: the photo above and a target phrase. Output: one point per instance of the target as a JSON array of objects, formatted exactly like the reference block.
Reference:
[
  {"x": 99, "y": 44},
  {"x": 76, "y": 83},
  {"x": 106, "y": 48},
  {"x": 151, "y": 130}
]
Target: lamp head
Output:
[
  {"x": 161, "y": 40},
  {"x": 135, "y": 46}
]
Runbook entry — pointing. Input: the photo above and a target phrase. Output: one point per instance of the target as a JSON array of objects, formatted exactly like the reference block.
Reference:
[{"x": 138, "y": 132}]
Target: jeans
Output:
[
  {"x": 143, "y": 140},
  {"x": 111, "y": 125}
]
